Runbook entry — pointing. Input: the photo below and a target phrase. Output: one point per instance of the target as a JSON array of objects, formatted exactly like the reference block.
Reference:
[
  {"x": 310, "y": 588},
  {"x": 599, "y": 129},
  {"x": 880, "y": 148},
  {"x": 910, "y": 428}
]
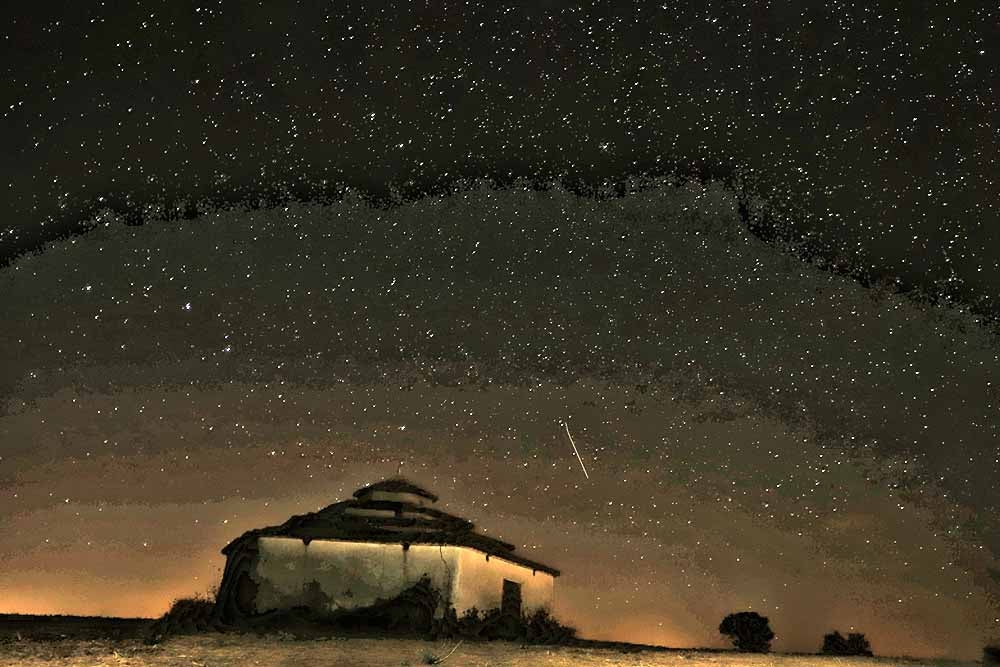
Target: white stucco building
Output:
[{"x": 353, "y": 553}]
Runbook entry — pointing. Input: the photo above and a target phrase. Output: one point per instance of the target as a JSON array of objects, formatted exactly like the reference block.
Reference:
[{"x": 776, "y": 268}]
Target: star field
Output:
[
  {"x": 773, "y": 333},
  {"x": 867, "y": 128},
  {"x": 753, "y": 426}
]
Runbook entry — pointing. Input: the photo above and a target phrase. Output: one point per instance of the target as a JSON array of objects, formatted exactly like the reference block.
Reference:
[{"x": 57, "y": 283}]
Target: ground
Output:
[{"x": 216, "y": 650}]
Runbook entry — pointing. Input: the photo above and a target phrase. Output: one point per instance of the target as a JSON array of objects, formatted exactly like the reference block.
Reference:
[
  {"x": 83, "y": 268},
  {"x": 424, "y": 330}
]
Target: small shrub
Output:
[
  {"x": 538, "y": 627},
  {"x": 185, "y": 616},
  {"x": 491, "y": 614},
  {"x": 542, "y": 628},
  {"x": 434, "y": 659},
  {"x": 834, "y": 643}
]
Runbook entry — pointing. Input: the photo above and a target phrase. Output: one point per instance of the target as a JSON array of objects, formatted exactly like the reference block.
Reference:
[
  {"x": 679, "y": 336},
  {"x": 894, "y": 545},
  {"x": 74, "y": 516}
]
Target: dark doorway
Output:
[
  {"x": 510, "y": 603},
  {"x": 246, "y": 594}
]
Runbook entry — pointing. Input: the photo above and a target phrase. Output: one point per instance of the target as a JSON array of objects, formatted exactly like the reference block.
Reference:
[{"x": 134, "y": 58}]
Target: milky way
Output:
[{"x": 759, "y": 432}]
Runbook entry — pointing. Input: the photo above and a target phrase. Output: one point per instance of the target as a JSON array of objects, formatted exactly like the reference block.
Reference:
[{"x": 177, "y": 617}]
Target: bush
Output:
[
  {"x": 748, "y": 630},
  {"x": 185, "y": 616},
  {"x": 834, "y": 643},
  {"x": 542, "y": 628},
  {"x": 538, "y": 627},
  {"x": 411, "y": 613}
]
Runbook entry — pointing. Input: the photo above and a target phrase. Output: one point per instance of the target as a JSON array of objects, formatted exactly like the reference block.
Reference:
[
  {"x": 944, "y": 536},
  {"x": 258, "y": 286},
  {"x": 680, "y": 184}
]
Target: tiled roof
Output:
[
  {"x": 365, "y": 520},
  {"x": 396, "y": 485}
]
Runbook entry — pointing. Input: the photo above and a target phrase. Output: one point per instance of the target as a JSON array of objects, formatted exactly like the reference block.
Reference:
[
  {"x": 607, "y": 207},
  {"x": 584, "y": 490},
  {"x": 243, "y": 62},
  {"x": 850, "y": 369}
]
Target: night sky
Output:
[{"x": 255, "y": 256}]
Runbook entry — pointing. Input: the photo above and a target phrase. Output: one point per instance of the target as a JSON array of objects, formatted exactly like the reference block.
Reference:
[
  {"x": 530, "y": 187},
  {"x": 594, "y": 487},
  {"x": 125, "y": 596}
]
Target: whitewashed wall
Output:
[
  {"x": 352, "y": 574},
  {"x": 480, "y": 583},
  {"x": 355, "y": 574}
]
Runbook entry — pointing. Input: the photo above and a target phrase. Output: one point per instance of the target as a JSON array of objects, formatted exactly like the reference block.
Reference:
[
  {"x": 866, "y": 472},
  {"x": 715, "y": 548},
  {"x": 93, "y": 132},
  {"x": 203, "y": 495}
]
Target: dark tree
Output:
[
  {"x": 834, "y": 643},
  {"x": 858, "y": 644},
  {"x": 855, "y": 644},
  {"x": 748, "y": 631}
]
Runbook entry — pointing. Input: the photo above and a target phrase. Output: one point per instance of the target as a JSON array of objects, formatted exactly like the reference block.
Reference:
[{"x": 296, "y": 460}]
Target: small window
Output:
[{"x": 510, "y": 603}]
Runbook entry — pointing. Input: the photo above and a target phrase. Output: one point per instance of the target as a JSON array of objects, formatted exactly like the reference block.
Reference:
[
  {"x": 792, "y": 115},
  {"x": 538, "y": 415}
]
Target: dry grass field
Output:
[{"x": 217, "y": 650}]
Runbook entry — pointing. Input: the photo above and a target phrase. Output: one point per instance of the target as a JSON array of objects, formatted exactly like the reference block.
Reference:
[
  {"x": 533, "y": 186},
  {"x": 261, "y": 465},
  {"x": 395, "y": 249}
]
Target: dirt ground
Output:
[{"x": 217, "y": 650}]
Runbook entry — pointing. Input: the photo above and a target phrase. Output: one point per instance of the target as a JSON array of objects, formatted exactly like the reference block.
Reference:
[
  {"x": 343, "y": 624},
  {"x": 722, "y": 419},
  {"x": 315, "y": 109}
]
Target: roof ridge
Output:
[
  {"x": 337, "y": 522},
  {"x": 396, "y": 484}
]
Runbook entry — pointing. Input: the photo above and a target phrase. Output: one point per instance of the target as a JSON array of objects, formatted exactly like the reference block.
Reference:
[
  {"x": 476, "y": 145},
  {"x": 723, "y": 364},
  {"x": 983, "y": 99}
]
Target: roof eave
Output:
[{"x": 502, "y": 555}]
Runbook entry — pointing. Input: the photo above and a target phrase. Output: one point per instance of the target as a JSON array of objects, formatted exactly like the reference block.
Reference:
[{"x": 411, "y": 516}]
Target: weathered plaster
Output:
[
  {"x": 333, "y": 574},
  {"x": 349, "y": 574},
  {"x": 480, "y": 583}
]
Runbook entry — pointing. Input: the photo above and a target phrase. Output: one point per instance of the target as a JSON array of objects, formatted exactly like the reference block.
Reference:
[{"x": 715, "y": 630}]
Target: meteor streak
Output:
[{"x": 575, "y": 450}]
